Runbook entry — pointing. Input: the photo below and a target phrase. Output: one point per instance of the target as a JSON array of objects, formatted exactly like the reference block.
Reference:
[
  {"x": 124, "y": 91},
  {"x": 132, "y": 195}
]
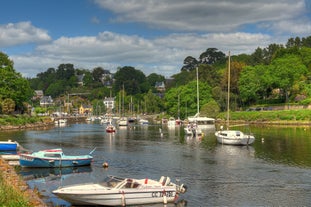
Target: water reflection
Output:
[{"x": 275, "y": 170}]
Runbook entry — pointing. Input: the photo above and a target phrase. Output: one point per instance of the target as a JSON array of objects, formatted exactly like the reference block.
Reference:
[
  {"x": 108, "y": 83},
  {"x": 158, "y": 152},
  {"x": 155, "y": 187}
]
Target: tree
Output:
[
  {"x": 190, "y": 63},
  {"x": 8, "y": 106},
  {"x": 12, "y": 85},
  {"x": 65, "y": 71},
  {"x": 286, "y": 72},
  {"x": 211, "y": 56},
  {"x": 132, "y": 80},
  {"x": 97, "y": 73},
  {"x": 188, "y": 98}
]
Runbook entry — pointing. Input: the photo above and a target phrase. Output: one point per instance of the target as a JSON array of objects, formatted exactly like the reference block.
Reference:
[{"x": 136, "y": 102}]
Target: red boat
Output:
[{"x": 110, "y": 128}]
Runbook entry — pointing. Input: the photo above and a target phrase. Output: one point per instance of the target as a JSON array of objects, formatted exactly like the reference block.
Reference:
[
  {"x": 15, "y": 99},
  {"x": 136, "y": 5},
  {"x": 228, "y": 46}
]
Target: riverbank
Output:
[{"x": 14, "y": 191}]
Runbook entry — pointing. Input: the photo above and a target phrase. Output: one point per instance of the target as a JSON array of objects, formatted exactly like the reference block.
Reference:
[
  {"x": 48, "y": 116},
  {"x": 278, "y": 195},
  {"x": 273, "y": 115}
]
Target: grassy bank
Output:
[
  {"x": 18, "y": 120},
  {"x": 282, "y": 116},
  {"x": 14, "y": 191}
]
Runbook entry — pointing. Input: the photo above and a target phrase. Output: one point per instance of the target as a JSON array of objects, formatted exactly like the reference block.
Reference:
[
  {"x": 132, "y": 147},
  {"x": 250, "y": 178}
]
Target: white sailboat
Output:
[
  {"x": 232, "y": 137},
  {"x": 197, "y": 122}
]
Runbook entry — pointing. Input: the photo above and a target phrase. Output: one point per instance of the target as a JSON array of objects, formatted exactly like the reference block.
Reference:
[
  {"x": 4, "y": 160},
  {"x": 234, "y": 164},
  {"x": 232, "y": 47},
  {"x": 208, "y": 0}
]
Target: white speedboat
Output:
[
  {"x": 116, "y": 191},
  {"x": 234, "y": 137}
]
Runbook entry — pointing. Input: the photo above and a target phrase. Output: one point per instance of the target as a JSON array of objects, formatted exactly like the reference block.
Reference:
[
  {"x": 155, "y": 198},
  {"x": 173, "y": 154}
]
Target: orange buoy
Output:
[{"x": 105, "y": 164}]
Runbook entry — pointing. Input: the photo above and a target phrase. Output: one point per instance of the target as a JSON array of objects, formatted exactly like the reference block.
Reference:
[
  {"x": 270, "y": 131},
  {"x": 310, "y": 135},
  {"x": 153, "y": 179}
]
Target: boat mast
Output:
[
  {"x": 228, "y": 94},
  {"x": 198, "y": 99}
]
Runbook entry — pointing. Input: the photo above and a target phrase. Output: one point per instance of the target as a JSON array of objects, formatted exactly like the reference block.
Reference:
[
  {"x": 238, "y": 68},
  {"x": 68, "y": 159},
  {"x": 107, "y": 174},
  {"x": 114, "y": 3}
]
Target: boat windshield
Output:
[{"x": 112, "y": 181}]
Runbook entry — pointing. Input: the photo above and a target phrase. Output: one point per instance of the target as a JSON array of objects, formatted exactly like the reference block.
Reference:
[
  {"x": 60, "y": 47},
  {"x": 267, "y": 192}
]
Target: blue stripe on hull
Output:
[
  {"x": 35, "y": 162},
  {"x": 8, "y": 147}
]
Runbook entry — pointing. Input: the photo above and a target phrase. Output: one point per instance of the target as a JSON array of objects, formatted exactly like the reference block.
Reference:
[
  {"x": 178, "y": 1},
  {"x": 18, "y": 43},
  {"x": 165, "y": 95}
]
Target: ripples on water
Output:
[{"x": 275, "y": 171}]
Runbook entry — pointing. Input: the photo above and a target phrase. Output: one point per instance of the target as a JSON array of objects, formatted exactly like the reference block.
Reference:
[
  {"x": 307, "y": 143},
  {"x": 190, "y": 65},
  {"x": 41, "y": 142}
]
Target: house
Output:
[
  {"x": 107, "y": 79},
  {"x": 109, "y": 104},
  {"x": 80, "y": 79},
  {"x": 160, "y": 86},
  {"x": 38, "y": 95},
  {"x": 46, "y": 101},
  {"x": 85, "y": 109}
]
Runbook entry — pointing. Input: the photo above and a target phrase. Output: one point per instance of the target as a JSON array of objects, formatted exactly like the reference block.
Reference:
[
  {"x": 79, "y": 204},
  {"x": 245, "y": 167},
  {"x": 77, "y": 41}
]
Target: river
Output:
[{"x": 275, "y": 171}]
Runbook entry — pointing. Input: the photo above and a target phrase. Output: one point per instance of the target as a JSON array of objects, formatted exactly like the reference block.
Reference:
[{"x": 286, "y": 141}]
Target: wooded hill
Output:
[{"x": 277, "y": 74}]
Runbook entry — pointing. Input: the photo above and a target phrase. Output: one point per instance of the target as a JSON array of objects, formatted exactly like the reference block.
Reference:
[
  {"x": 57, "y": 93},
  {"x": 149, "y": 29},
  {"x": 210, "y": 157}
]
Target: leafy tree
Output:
[
  {"x": 12, "y": 85},
  {"x": 132, "y": 80},
  {"x": 252, "y": 84},
  {"x": 210, "y": 109},
  {"x": 65, "y": 71},
  {"x": 209, "y": 74},
  {"x": 211, "y": 56},
  {"x": 188, "y": 98},
  {"x": 153, "y": 78},
  {"x": 56, "y": 88},
  {"x": 97, "y": 73},
  {"x": 190, "y": 63},
  {"x": 8, "y": 106},
  {"x": 287, "y": 71},
  {"x": 153, "y": 103}
]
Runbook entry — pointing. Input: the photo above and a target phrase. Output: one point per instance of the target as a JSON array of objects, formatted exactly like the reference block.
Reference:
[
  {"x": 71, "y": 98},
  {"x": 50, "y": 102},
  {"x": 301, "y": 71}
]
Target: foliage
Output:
[
  {"x": 278, "y": 115},
  {"x": 188, "y": 98},
  {"x": 132, "y": 80},
  {"x": 210, "y": 109},
  {"x": 12, "y": 85},
  {"x": 8, "y": 106}
]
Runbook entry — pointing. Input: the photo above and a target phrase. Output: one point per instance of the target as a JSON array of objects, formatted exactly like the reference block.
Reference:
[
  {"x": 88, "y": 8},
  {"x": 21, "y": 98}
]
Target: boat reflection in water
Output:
[{"x": 36, "y": 173}]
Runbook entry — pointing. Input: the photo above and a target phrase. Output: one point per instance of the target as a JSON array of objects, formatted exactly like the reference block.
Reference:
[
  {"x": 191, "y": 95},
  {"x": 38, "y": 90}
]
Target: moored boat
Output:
[
  {"x": 234, "y": 137},
  {"x": 110, "y": 128},
  {"x": 8, "y": 145},
  {"x": 116, "y": 191},
  {"x": 54, "y": 158}
]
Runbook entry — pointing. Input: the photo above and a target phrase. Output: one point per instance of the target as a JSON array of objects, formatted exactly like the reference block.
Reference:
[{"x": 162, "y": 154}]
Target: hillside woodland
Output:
[{"x": 277, "y": 74}]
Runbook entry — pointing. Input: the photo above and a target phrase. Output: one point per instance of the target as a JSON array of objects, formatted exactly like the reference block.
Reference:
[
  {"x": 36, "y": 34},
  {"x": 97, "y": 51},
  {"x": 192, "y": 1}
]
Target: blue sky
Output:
[{"x": 154, "y": 36}]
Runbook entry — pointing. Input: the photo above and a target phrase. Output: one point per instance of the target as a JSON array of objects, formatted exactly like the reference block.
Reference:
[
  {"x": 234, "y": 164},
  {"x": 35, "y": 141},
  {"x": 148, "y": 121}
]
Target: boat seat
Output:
[
  {"x": 161, "y": 180},
  {"x": 164, "y": 180}
]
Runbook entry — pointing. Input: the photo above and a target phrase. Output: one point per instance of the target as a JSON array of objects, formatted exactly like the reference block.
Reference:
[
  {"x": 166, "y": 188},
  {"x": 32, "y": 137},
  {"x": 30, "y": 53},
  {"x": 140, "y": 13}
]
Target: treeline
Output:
[{"x": 277, "y": 74}]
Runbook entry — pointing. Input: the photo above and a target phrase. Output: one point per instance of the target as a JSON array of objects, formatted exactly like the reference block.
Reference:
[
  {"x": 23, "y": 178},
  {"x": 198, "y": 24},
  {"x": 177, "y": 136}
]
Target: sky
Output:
[{"x": 154, "y": 36}]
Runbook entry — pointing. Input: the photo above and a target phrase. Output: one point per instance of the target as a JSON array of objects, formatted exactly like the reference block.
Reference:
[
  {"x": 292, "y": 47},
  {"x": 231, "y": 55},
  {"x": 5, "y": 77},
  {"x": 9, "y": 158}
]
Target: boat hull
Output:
[
  {"x": 231, "y": 137},
  {"x": 54, "y": 158},
  {"x": 119, "y": 197},
  {"x": 26, "y": 161},
  {"x": 8, "y": 146}
]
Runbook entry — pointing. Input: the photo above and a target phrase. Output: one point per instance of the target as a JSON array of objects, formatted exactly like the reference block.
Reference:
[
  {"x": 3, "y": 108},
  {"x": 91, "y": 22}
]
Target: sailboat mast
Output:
[
  {"x": 198, "y": 99},
  {"x": 228, "y": 94}
]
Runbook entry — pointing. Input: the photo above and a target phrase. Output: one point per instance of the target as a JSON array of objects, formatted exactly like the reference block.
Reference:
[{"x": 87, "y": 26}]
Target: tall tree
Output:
[
  {"x": 134, "y": 81},
  {"x": 12, "y": 84},
  {"x": 211, "y": 56}
]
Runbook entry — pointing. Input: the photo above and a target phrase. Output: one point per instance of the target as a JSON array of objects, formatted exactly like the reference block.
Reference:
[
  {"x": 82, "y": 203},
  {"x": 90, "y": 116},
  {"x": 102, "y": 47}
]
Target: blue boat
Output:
[
  {"x": 54, "y": 158},
  {"x": 8, "y": 145}
]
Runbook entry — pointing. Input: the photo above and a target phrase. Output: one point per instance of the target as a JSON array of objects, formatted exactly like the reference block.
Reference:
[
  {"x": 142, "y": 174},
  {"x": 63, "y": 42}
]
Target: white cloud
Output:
[
  {"x": 162, "y": 55},
  {"x": 21, "y": 33},
  {"x": 202, "y": 15}
]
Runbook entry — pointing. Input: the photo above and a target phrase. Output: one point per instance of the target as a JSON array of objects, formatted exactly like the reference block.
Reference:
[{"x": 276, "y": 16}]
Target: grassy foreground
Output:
[
  {"x": 14, "y": 192},
  {"x": 287, "y": 116}
]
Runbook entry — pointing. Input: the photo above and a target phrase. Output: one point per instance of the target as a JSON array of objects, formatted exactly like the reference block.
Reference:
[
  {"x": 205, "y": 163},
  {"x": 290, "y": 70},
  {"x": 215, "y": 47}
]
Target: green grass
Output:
[
  {"x": 19, "y": 120},
  {"x": 281, "y": 115},
  {"x": 10, "y": 197}
]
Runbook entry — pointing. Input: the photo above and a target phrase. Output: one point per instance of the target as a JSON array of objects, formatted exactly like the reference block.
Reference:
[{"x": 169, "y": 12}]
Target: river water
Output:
[{"x": 275, "y": 171}]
